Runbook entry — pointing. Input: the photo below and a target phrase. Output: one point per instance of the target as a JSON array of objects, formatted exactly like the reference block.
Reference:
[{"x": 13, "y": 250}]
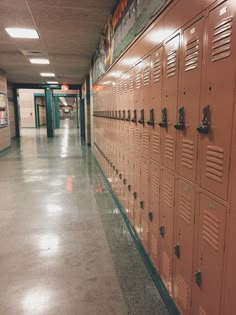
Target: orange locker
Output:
[
  {"x": 189, "y": 99},
  {"x": 209, "y": 260},
  {"x": 169, "y": 101},
  {"x": 154, "y": 213},
  {"x": 183, "y": 245},
  {"x": 136, "y": 192},
  {"x": 166, "y": 227},
  {"x": 155, "y": 105},
  {"x": 215, "y": 132}
]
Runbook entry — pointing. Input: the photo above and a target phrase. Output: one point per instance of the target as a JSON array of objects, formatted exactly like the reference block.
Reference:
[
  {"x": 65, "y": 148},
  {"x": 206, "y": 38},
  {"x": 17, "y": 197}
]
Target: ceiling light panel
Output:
[
  {"x": 39, "y": 61},
  {"x": 22, "y": 32},
  {"x": 52, "y": 82},
  {"x": 47, "y": 74}
]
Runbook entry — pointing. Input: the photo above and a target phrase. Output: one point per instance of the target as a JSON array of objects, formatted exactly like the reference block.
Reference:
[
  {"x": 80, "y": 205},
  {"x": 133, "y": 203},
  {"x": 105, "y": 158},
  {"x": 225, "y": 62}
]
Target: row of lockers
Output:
[{"x": 163, "y": 134}]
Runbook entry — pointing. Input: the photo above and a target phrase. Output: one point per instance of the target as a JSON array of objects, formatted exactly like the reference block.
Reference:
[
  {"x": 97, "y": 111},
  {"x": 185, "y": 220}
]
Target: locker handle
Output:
[
  {"x": 129, "y": 187},
  {"x": 141, "y": 120},
  {"x": 180, "y": 124},
  {"x": 128, "y": 115},
  {"x": 124, "y": 181},
  {"x": 151, "y": 121},
  {"x": 135, "y": 195},
  {"x": 163, "y": 122},
  {"x": 120, "y": 176},
  {"x": 162, "y": 230},
  {"x": 124, "y": 115},
  {"x": 114, "y": 167},
  {"x": 117, "y": 171},
  {"x": 150, "y": 216},
  {"x": 204, "y": 125},
  {"x": 198, "y": 278},
  {"x": 119, "y": 115},
  {"x": 141, "y": 204},
  {"x": 177, "y": 250},
  {"x": 134, "y": 120}
]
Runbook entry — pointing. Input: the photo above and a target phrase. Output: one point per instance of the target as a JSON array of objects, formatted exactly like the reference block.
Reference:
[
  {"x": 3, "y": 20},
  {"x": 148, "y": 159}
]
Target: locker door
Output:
[
  {"x": 189, "y": 101},
  {"x": 183, "y": 245},
  {"x": 216, "y": 126},
  {"x": 144, "y": 202},
  {"x": 166, "y": 228},
  {"x": 169, "y": 101},
  {"x": 146, "y": 69},
  {"x": 136, "y": 192},
  {"x": 155, "y": 104},
  {"x": 138, "y": 100},
  {"x": 210, "y": 251},
  {"x": 154, "y": 213}
]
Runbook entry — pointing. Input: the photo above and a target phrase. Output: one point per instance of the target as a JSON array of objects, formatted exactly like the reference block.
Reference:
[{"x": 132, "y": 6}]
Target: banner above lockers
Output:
[{"x": 127, "y": 21}]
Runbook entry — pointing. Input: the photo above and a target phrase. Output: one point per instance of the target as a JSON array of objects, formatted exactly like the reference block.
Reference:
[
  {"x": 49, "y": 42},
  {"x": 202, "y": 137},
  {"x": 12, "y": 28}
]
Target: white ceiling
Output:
[{"x": 69, "y": 34}]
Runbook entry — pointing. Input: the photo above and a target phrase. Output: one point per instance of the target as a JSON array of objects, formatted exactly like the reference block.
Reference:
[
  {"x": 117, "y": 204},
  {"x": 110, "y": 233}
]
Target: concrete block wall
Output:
[
  {"x": 5, "y": 136},
  {"x": 11, "y": 111}
]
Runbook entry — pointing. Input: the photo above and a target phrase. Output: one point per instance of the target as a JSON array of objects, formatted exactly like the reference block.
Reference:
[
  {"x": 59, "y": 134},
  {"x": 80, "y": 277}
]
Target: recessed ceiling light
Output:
[
  {"x": 16, "y": 32},
  {"x": 52, "y": 82},
  {"x": 40, "y": 61},
  {"x": 47, "y": 74}
]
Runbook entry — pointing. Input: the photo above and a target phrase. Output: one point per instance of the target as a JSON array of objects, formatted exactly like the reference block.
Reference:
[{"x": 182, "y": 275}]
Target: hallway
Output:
[{"x": 64, "y": 247}]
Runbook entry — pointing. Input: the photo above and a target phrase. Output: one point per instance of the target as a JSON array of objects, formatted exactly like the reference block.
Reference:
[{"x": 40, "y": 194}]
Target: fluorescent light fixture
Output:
[
  {"x": 52, "y": 82},
  {"x": 47, "y": 74},
  {"x": 16, "y": 32},
  {"x": 39, "y": 61}
]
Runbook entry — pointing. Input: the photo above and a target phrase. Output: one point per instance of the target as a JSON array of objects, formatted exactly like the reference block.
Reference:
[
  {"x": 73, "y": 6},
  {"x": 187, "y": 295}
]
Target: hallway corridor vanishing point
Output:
[{"x": 64, "y": 247}]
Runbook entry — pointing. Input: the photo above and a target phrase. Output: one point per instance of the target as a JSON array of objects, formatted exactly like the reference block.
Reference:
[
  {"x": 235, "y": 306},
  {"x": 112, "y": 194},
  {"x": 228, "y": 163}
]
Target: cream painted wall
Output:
[{"x": 5, "y": 136}]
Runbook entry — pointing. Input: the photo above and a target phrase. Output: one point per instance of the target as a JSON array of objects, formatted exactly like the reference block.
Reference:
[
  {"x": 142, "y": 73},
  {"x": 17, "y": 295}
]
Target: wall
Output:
[
  {"x": 11, "y": 111},
  {"x": 26, "y": 105},
  {"x": 5, "y": 133},
  {"x": 42, "y": 110}
]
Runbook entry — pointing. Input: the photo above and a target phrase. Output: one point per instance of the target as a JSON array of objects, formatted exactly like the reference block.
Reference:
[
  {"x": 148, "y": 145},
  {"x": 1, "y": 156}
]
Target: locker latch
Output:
[
  {"x": 124, "y": 181},
  {"x": 123, "y": 114},
  {"x": 203, "y": 127},
  {"x": 134, "y": 119},
  {"x": 180, "y": 124},
  {"x": 141, "y": 204},
  {"x": 129, "y": 187},
  {"x": 114, "y": 167},
  {"x": 128, "y": 115},
  {"x": 177, "y": 250},
  {"x": 151, "y": 121},
  {"x": 141, "y": 120},
  {"x": 120, "y": 176},
  {"x": 198, "y": 278},
  {"x": 119, "y": 114},
  {"x": 135, "y": 195},
  {"x": 116, "y": 114},
  {"x": 163, "y": 122},
  {"x": 117, "y": 171},
  {"x": 162, "y": 230},
  {"x": 150, "y": 216}
]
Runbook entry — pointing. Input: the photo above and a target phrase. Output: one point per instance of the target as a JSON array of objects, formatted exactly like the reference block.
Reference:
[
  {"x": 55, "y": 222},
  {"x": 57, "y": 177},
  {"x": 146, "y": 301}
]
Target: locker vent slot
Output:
[
  {"x": 211, "y": 229},
  {"x": 191, "y": 54},
  {"x": 146, "y": 141},
  {"x": 169, "y": 148},
  {"x": 168, "y": 194},
  {"x": 187, "y": 153},
  {"x": 182, "y": 291},
  {"x": 157, "y": 70},
  {"x": 166, "y": 265},
  {"x": 185, "y": 209},
  {"x": 201, "y": 311},
  {"x": 114, "y": 90},
  {"x": 117, "y": 89},
  {"x": 138, "y": 138},
  {"x": 171, "y": 63},
  {"x": 131, "y": 84},
  {"x": 156, "y": 143},
  {"x": 138, "y": 80},
  {"x": 126, "y": 86},
  {"x": 146, "y": 76},
  {"x": 145, "y": 175},
  {"x": 155, "y": 184},
  {"x": 215, "y": 163},
  {"x": 222, "y": 36},
  {"x": 121, "y": 88},
  {"x": 154, "y": 246}
]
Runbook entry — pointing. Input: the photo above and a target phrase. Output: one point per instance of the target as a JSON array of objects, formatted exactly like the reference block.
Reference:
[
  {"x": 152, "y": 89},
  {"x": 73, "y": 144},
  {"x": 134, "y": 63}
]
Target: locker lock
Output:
[
  {"x": 162, "y": 230},
  {"x": 135, "y": 195},
  {"x": 141, "y": 204},
  {"x": 120, "y": 176},
  {"x": 151, "y": 121},
  {"x": 177, "y": 250},
  {"x": 150, "y": 216},
  {"x": 163, "y": 122},
  {"x": 204, "y": 125},
  {"x": 141, "y": 120},
  {"x": 124, "y": 181},
  {"x": 180, "y": 124},
  {"x": 198, "y": 278},
  {"x": 129, "y": 187}
]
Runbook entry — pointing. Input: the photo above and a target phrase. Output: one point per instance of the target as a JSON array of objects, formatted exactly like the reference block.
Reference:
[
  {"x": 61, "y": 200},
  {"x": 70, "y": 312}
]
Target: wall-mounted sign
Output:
[{"x": 3, "y": 111}]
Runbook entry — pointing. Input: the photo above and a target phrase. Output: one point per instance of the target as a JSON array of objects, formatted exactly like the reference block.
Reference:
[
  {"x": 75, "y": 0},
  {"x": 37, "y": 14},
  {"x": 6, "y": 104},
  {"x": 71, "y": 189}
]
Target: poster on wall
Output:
[{"x": 3, "y": 111}]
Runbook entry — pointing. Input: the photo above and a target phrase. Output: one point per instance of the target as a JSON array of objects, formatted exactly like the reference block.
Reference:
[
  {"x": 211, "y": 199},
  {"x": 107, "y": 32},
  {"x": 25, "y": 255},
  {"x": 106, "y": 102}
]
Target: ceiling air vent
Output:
[{"x": 35, "y": 53}]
